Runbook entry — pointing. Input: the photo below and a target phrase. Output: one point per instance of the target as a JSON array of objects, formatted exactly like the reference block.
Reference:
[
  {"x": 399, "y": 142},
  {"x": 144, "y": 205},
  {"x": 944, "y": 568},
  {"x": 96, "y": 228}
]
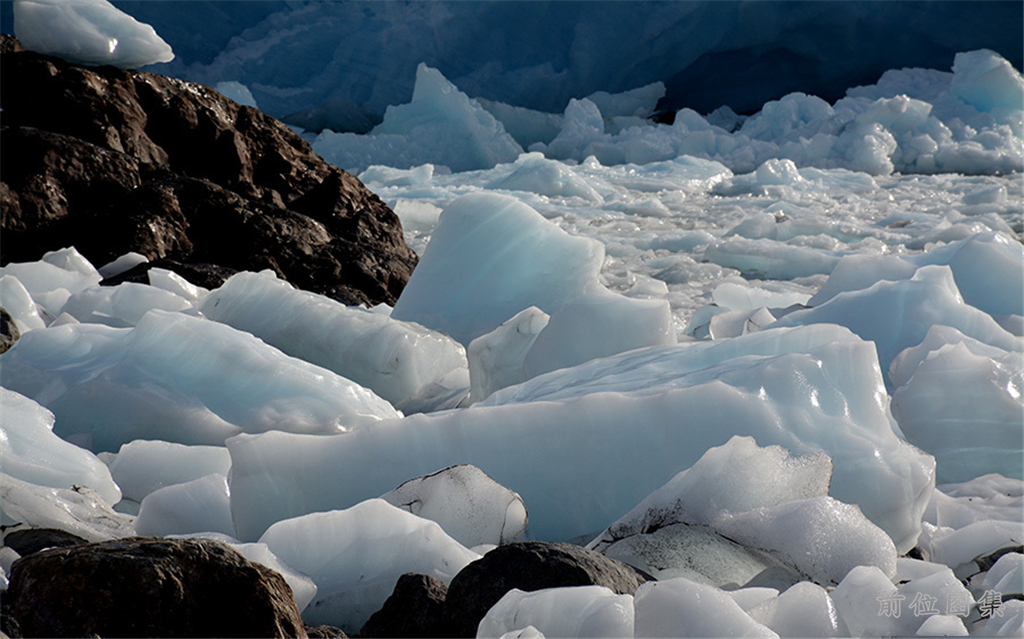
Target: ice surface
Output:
[
  {"x": 172, "y": 282},
  {"x": 123, "y": 263},
  {"x": 490, "y": 257},
  {"x": 986, "y": 81},
  {"x": 32, "y": 453},
  {"x": 804, "y": 610},
  {"x": 50, "y": 284},
  {"x": 79, "y": 510},
  {"x": 123, "y": 305},
  {"x": 396, "y": 360},
  {"x": 19, "y": 305},
  {"x": 858, "y": 598},
  {"x": 942, "y": 626},
  {"x": 234, "y": 90},
  {"x": 897, "y": 315},
  {"x": 441, "y": 125},
  {"x": 496, "y": 359},
  {"x": 682, "y": 608},
  {"x": 181, "y": 379},
  {"x": 88, "y": 32},
  {"x": 955, "y": 548},
  {"x": 1005, "y": 621},
  {"x": 965, "y": 409},
  {"x": 471, "y": 507},
  {"x": 356, "y": 556},
  {"x": 581, "y": 611},
  {"x": 534, "y": 173},
  {"x": 987, "y": 497},
  {"x": 611, "y": 428},
  {"x": 1007, "y": 575},
  {"x": 201, "y": 505},
  {"x": 932, "y": 592},
  {"x": 143, "y": 466}
]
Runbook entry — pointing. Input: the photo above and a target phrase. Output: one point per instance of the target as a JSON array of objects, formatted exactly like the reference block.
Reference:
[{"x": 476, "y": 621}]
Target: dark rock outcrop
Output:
[
  {"x": 530, "y": 566},
  {"x": 111, "y": 161},
  {"x": 414, "y": 609},
  {"x": 9, "y": 332},
  {"x": 26, "y": 541},
  {"x": 147, "y": 587}
]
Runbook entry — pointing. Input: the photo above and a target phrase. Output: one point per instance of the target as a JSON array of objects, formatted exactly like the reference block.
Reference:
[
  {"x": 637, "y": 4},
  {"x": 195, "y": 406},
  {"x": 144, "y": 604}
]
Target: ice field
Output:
[{"x": 775, "y": 361}]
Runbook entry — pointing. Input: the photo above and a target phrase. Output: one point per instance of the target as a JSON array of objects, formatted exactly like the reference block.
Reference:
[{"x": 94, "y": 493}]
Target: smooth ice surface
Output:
[
  {"x": 858, "y": 598},
  {"x": 178, "y": 378},
  {"x": 471, "y": 507},
  {"x": 942, "y": 626},
  {"x": 201, "y": 505},
  {"x": 78, "y": 510},
  {"x": 172, "y": 282},
  {"x": 804, "y": 610},
  {"x": 932, "y": 592},
  {"x": 123, "y": 263},
  {"x": 821, "y": 536},
  {"x": 983, "y": 498},
  {"x": 490, "y": 257},
  {"x": 496, "y": 359},
  {"x": 51, "y": 284},
  {"x": 356, "y": 556},
  {"x": 682, "y": 608},
  {"x": 1007, "y": 575},
  {"x": 582, "y": 611},
  {"x": 123, "y": 305},
  {"x": 32, "y": 453},
  {"x": 143, "y": 466},
  {"x": 396, "y": 360},
  {"x": 956, "y": 547},
  {"x": 441, "y": 125},
  {"x": 88, "y": 32},
  {"x": 611, "y": 428},
  {"x": 897, "y": 315},
  {"x": 19, "y": 305},
  {"x": 965, "y": 409}
]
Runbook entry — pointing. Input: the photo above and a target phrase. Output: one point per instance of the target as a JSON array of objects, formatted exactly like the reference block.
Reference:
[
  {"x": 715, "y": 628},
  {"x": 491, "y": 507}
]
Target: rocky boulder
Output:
[
  {"x": 414, "y": 609},
  {"x": 148, "y": 587},
  {"x": 112, "y": 161},
  {"x": 9, "y": 332},
  {"x": 530, "y": 566}
]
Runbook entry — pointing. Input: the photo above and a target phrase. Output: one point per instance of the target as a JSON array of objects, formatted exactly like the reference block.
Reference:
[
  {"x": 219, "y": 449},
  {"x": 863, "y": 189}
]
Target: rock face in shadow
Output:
[
  {"x": 529, "y": 566},
  {"x": 111, "y": 161},
  {"x": 414, "y": 609},
  {"x": 149, "y": 587}
]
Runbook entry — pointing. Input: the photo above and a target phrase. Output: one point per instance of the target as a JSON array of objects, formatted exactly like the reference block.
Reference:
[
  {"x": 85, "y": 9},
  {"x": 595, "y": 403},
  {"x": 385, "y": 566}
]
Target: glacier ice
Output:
[
  {"x": 581, "y": 611},
  {"x": 683, "y": 608},
  {"x": 356, "y": 556},
  {"x": 858, "y": 600},
  {"x": 943, "y": 626},
  {"x": 50, "y": 284},
  {"x": 123, "y": 305},
  {"x": 34, "y": 454},
  {"x": 143, "y": 466},
  {"x": 804, "y": 610},
  {"x": 19, "y": 305},
  {"x": 471, "y": 507},
  {"x": 490, "y": 257},
  {"x": 496, "y": 359},
  {"x": 178, "y": 378},
  {"x": 79, "y": 510},
  {"x": 611, "y": 428},
  {"x": 91, "y": 32},
  {"x": 200, "y": 505},
  {"x": 1006, "y": 575},
  {"x": 396, "y": 360}
]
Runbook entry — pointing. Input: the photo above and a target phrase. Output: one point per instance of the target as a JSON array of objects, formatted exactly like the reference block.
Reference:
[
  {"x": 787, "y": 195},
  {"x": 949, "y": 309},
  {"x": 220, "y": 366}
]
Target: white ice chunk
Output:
[
  {"x": 744, "y": 296},
  {"x": 496, "y": 359},
  {"x": 862, "y": 597},
  {"x": 611, "y": 428},
  {"x": 957, "y": 547},
  {"x": 471, "y": 507},
  {"x": 1005, "y": 621},
  {"x": 90, "y": 32},
  {"x": 942, "y": 626},
  {"x": 235, "y": 90},
  {"x": 987, "y": 81},
  {"x": 1006, "y": 575},
  {"x": 172, "y": 282},
  {"x": 490, "y": 257},
  {"x": 19, "y": 305},
  {"x": 122, "y": 305},
  {"x": 581, "y": 611},
  {"x": 201, "y": 505},
  {"x": 804, "y": 610},
  {"x": 356, "y": 556},
  {"x": 639, "y": 102},
  {"x": 747, "y": 598},
  {"x": 32, "y": 453},
  {"x": 966, "y": 410},
  {"x": 124, "y": 263},
  {"x": 534, "y": 173},
  {"x": 51, "y": 284},
  {"x": 931, "y": 594},
  {"x": 682, "y": 608},
  {"x": 178, "y": 378},
  {"x": 397, "y": 360},
  {"x": 79, "y": 510},
  {"x": 989, "y": 497},
  {"x": 937, "y": 338},
  {"x": 822, "y": 537},
  {"x": 143, "y": 466},
  {"x": 597, "y": 324}
]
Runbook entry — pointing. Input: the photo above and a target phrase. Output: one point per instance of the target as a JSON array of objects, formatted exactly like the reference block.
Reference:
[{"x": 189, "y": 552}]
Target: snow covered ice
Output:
[{"x": 762, "y": 357}]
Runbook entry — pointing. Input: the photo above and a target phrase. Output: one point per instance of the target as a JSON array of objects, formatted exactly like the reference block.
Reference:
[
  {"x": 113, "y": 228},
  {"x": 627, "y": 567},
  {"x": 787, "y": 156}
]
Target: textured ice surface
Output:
[
  {"x": 181, "y": 379},
  {"x": 858, "y": 598},
  {"x": 396, "y": 360},
  {"x": 986, "y": 497},
  {"x": 441, "y": 125},
  {"x": 496, "y": 359},
  {"x": 804, "y": 610},
  {"x": 200, "y": 505},
  {"x": 942, "y": 626},
  {"x": 32, "y": 453},
  {"x": 682, "y": 608},
  {"x": 142, "y": 466},
  {"x": 19, "y": 305},
  {"x": 123, "y": 305},
  {"x": 123, "y": 263},
  {"x": 965, "y": 409},
  {"x": 611, "y": 428},
  {"x": 582, "y": 611},
  {"x": 490, "y": 257},
  {"x": 172, "y": 282},
  {"x": 955, "y": 548},
  {"x": 471, "y": 507},
  {"x": 534, "y": 173},
  {"x": 88, "y": 32},
  {"x": 52, "y": 282},
  {"x": 78, "y": 510},
  {"x": 931, "y": 592},
  {"x": 1007, "y": 575},
  {"x": 356, "y": 556}
]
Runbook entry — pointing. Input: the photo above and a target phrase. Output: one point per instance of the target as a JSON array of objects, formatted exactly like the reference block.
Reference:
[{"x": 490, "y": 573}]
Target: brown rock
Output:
[
  {"x": 9, "y": 333},
  {"x": 148, "y": 587},
  {"x": 112, "y": 161},
  {"x": 414, "y": 609}
]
